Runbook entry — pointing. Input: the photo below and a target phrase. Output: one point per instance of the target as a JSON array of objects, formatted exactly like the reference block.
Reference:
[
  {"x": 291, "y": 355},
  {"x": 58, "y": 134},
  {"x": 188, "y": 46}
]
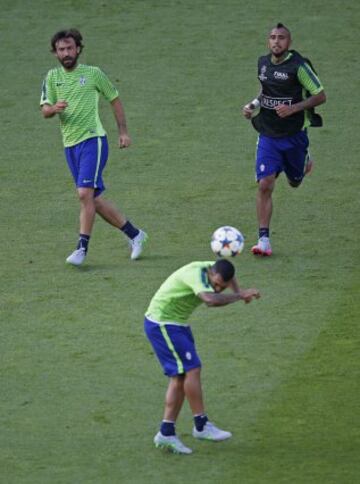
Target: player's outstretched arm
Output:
[
  {"x": 234, "y": 285},
  {"x": 246, "y": 294},
  {"x": 213, "y": 299},
  {"x": 124, "y": 138},
  {"x": 216, "y": 299}
]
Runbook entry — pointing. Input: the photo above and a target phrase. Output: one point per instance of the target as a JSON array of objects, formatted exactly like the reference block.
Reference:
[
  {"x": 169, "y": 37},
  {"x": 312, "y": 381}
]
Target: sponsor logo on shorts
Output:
[{"x": 87, "y": 181}]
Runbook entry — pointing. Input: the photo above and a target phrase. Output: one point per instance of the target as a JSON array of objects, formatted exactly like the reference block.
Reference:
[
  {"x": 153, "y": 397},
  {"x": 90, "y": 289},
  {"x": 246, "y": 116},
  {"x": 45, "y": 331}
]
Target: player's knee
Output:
[
  {"x": 266, "y": 185},
  {"x": 177, "y": 382},
  {"x": 194, "y": 371},
  {"x": 85, "y": 194}
]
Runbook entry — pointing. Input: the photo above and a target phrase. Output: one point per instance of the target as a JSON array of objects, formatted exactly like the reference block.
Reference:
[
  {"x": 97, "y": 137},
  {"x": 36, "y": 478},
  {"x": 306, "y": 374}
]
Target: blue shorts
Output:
[
  {"x": 174, "y": 346},
  {"x": 288, "y": 154},
  {"x": 87, "y": 161}
]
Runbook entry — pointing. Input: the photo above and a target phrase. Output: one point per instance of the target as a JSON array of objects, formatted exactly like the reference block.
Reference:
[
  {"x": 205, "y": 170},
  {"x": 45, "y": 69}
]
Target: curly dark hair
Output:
[{"x": 67, "y": 34}]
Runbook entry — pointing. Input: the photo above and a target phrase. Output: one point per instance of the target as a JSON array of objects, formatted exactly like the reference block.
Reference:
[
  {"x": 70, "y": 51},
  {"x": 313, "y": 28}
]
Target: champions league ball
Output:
[{"x": 227, "y": 241}]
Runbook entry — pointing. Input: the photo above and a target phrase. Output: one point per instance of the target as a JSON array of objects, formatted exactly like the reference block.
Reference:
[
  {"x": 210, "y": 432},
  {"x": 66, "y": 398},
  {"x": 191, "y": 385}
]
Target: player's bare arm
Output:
[
  {"x": 234, "y": 285},
  {"x": 124, "y": 138},
  {"x": 49, "y": 110},
  {"x": 284, "y": 110},
  {"x": 215, "y": 299},
  {"x": 246, "y": 294}
]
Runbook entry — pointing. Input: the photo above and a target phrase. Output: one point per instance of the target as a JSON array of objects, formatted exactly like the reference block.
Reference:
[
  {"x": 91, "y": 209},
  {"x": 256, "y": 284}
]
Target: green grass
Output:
[{"x": 81, "y": 392}]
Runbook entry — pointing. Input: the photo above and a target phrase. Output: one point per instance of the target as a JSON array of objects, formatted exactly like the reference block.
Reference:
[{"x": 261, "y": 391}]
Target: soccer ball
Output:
[{"x": 227, "y": 241}]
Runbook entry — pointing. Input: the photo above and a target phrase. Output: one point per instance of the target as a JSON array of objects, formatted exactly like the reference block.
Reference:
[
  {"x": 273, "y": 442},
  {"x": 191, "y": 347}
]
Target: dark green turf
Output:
[{"x": 80, "y": 391}]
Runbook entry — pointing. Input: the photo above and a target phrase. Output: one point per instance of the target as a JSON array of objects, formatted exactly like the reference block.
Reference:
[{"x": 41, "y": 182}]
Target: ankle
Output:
[
  {"x": 200, "y": 422},
  {"x": 264, "y": 232},
  {"x": 167, "y": 428}
]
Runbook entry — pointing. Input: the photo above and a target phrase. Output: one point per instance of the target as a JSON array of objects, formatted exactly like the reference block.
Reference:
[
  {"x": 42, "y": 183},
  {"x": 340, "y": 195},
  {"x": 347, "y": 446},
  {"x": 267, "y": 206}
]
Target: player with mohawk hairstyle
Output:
[{"x": 290, "y": 90}]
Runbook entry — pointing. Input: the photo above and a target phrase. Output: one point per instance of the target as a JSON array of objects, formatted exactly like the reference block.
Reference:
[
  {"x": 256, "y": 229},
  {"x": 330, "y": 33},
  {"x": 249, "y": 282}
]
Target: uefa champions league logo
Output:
[{"x": 262, "y": 76}]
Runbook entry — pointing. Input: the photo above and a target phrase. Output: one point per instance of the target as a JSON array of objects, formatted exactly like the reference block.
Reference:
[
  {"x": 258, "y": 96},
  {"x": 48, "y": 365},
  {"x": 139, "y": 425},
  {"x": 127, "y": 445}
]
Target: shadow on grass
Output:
[{"x": 120, "y": 263}]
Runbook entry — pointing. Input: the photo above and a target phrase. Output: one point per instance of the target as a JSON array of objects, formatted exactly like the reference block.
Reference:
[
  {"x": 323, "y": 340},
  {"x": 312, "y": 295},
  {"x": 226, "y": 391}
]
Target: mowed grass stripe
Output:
[
  {"x": 81, "y": 393},
  {"x": 308, "y": 432}
]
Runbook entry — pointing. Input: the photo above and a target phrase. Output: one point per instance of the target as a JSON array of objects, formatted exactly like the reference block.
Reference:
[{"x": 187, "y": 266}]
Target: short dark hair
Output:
[
  {"x": 67, "y": 34},
  {"x": 225, "y": 269}
]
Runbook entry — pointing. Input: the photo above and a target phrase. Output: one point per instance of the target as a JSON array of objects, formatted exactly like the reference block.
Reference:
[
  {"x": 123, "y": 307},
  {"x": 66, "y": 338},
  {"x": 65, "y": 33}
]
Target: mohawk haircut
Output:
[{"x": 279, "y": 25}]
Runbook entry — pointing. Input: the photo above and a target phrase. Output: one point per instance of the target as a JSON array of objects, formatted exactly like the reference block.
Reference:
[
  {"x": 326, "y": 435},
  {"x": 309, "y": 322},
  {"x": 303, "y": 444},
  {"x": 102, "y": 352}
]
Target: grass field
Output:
[{"x": 80, "y": 391}]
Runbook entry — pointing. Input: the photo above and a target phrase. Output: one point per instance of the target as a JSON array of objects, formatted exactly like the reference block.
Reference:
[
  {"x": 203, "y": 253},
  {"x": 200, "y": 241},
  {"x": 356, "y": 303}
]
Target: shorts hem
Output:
[
  {"x": 265, "y": 175},
  {"x": 172, "y": 374},
  {"x": 97, "y": 191}
]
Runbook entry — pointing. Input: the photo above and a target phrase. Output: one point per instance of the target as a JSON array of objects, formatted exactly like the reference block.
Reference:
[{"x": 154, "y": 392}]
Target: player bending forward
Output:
[{"x": 166, "y": 326}]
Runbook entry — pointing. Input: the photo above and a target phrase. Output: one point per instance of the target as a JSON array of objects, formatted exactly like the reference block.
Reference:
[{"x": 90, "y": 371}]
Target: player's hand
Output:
[
  {"x": 59, "y": 106},
  {"x": 249, "y": 294},
  {"x": 124, "y": 141},
  {"x": 247, "y": 111},
  {"x": 284, "y": 110}
]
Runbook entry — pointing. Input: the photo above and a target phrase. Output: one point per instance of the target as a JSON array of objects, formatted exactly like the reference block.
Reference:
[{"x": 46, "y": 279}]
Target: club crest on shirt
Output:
[{"x": 82, "y": 81}]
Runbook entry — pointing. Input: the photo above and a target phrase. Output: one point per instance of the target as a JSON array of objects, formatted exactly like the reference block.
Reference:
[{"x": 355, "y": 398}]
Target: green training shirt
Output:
[
  {"x": 80, "y": 88},
  {"x": 177, "y": 297}
]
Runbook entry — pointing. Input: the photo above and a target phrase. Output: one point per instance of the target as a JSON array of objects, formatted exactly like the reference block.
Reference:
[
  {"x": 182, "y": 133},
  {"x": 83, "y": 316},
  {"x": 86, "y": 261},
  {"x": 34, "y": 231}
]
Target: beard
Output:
[
  {"x": 69, "y": 62},
  {"x": 278, "y": 53}
]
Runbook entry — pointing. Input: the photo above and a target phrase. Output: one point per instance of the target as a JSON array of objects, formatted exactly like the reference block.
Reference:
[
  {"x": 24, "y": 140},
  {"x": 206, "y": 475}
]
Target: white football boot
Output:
[
  {"x": 211, "y": 432},
  {"x": 77, "y": 257},
  {"x": 171, "y": 443},
  {"x": 137, "y": 245}
]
